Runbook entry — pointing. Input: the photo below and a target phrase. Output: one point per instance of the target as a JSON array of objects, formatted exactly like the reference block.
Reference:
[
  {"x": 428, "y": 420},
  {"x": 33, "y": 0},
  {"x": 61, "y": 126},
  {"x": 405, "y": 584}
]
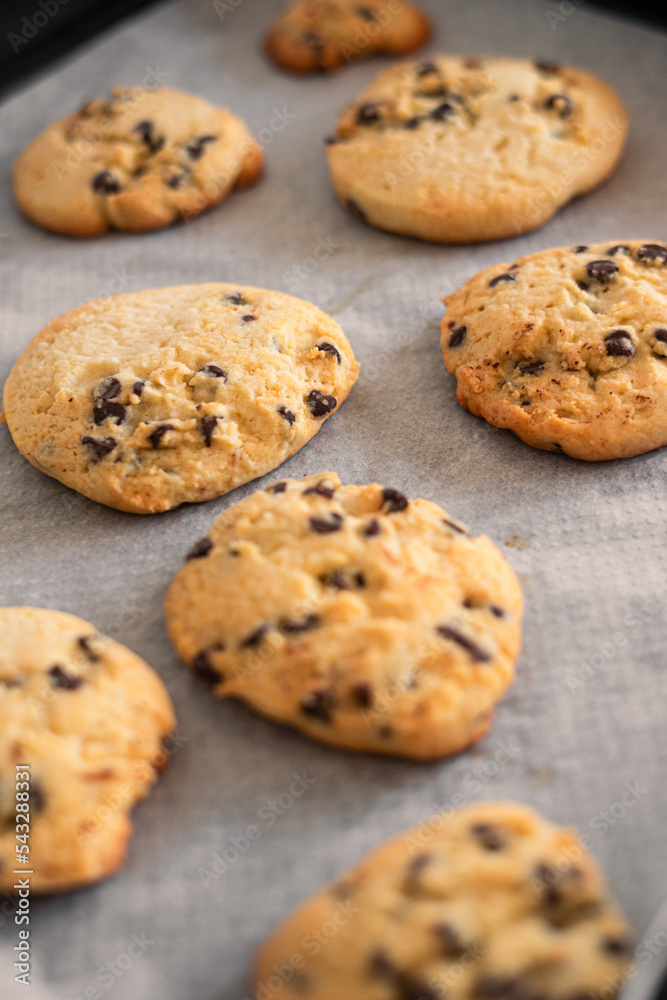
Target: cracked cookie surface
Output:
[
  {"x": 135, "y": 161},
  {"x": 88, "y": 716},
  {"x": 363, "y": 619},
  {"x": 151, "y": 399},
  {"x": 491, "y": 901},
  {"x": 567, "y": 348},
  {"x": 460, "y": 150},
  {"x": 313, "y": 36}
]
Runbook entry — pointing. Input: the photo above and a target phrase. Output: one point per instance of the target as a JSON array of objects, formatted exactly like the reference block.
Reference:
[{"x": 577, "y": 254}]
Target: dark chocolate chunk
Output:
[
  {"x": 458, "y": 335},
  {"x": 319, "y": 704},
  {"x": 362, "y": 694},
  {"x": 326, "y": 524},
  {"x": 195, "y": 150},
  {"x": 501, "y": 277},
  {"x": 450, "y": 940},
  {"x": 330, "y": 349},
  {"x": 156, "y": 436},
  {"x": 106, "y": 410},
  {"x": 560, "y": 103},
  {"x": 203, "y": 668},
  {"x": 236, "y": 299},
  {"x": 99, "y": 446},
  {"x": 442, "y": 112},
  {"x": 367, "y": 14},
  {"x": 105, "y": 183},
  {"x": 413, "y": 123},
  {"x": 288, "y": 414},
  {"x": 580, "y": 249},
  {"x": 618, "y": 946},
  {"x": 417, "y": 989},
  {"x": 619, "y": 344},
  {"x": 297, "y": 626},
  {"x": 381, "y": 966},
  {"x": 602, "y": 270},
  {"x": 248, "y": 318},
  {"x": 368, "y": 113},
  {"x": 393, "y": 501},
  {"x": 476, "y": 653},
  {"x": 276, "y": 488},
  {"x": 426, "y": 69},
  {"x": 496, "y": 610},
  {"x": 178, "y": 178},
  {"x": 320, "y": 404},
  {"x": 146, "y": 132},
  {"x": 109, "y": 388},
  {"x": 208, "y": 426},
  {"x": 61, "y": 679},
  {"x": 84, "y": 643},
  {"x": 356, "y": 210},
  {"x": 455, "y": 527},
  {"x": 213, "y": 371},
  {"x": 549, "y": 68},
  {"x": 618, "y": 248},
  {"x": 531, "y": 367},
  {"x": 660, "y": 335},
  {"x": 371, "y": 529},
  {"x": 651, "y": 253},
  {"x": 582, "y": 285},
  {"x": 320, "y": 489},
  {"x": 200, "y": 549},
  {"x": 256, "y": 637},
  {"x": 36, "y": 796},
  {"x": 138, "y": 387},
  {"x": 489, "y": 836},
  {"x": 335, "y": 579}
]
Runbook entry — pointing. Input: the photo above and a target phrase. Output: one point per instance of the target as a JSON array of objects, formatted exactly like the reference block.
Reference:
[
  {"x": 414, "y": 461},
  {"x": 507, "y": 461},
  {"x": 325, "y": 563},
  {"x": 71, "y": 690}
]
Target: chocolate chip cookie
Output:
[
  {"x": 567, "y": 348},
  {"x": 459, "y": 150},
  {"x": 85, "y": 718},
  {"x": 147, "y": 400},
  {"x": 313, "y": 36},
  {"x": 363, "y": 619},
  {"x": 137, "y": 160},
  {"x": 490, "y": 902}
]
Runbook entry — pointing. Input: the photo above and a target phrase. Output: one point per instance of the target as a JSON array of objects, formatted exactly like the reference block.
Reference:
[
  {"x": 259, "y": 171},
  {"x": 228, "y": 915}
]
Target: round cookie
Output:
[
  {"x": 490, "y": 902},
  {"x": 139, "y": 160},
  {"x": 459, "y": 150},
  {"x": 567, "y": 348},
  {"x": 362, "y": 619},
  {"x": 322, "y": 35},
  {"x": 147, "y": 400},
  {"x": 88, "y": 716}
]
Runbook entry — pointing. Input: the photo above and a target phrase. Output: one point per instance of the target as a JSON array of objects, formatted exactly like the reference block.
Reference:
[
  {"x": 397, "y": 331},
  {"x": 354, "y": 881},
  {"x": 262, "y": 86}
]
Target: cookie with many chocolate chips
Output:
[
  {"x": 363, "y": 619},
  {"x": 151, "y": 399},
  {"x": 489, "y": 902},
  {"x": 137, "y": 160},
  {"x": 312, "y": 36},
  {"x": 459, "y": 150},
  {"x": 82, "y": 724},
  {"x": 567, "y": 348}
]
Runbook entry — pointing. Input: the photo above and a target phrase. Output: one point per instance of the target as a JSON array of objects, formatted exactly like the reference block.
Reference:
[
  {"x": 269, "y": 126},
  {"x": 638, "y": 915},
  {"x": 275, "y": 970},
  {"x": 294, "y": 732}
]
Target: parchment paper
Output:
[{"x": 582, "y": 732}]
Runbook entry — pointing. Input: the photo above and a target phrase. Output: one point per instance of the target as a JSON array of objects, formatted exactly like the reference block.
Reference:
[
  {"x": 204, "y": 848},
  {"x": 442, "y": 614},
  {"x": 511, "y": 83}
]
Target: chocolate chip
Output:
[
  {"x": 489, "y": 836},
  {"x": 256, "y": 637},
  {"x": 296, "y": 627},
  {"x": 478, "y": 654},
  {"x": 196, "y": 149},
  {"x": 320, "y": 489},
  {"x": 156, "y": 436},
  {"x": 619, "y": 344},
  {"x": 109, "y": 410},
  {"x": 248, "y": 318},
  {"x": 442, "y": 112},
  {"x": 450, "y": 940},
  {"x": 99, "y": 446},
  {"x": 496, "y": 610},
  {"x": 362, "y": 694},
  {"x": 582, "y": 285},
  {"x": 208, "y": 426},
  {"x": 204, "y": 669},
  {"x": 602, "y": 270},
  {"x": 335, "y": 579},
  {"x": 381, "y": 966},
  {"x": 213, "y": 371},
  {"x": 618, "y": 248},
  {"x": 458, "y": 335},
  {"x": 109, "y": 388},
  {"x": 371, "y": 529},
  {"x": 393, "y": 501},
  {"x": 548, "y": 68},
  {"x": 531, "y": 367},
  {"x": 105, "y": 183},
  {"x": 84, "y": 643},
  {"x": 417, "y": 989},
  {"x": 320, "y": 404},
  {"x": 500, "y": 988},
  {"x": 276, "y": 488},
  {"x": 619, "y": 946},
  {"x": 138, "y": 387},
  {"x": 236, "y": 299},
  {"x": 319, "y": 704},
  {"x": 145, "y": 131},
  {"x": 330, "y": 349},
  {"x": 455, "y": 527},
  {"x": 330, "y": 140},
  {"x": 288, "y": 414},
  {"x": 61, "y": 679},
  {"x": 514, "y": 97},
  {"x": 660, "y": 335},
  {"x": 413, "y": 123},
  {"x": 651, "y": 253},
  {"x": 200, "y": 549},
  {"x": 560, "y": 103},
  {"x": 367, "y": 14},
  {"x": 179, "y": 177},
  {"x": 368, "y": 113},
  {"x": 36, "y": 796},
  {"x": 426, "y": 69},
  {"x": 501, "y": 277},
  {"x": 326, "y": 524},
  {"x": 356, "y": 210},
  {"x": 581, "y": 249}
]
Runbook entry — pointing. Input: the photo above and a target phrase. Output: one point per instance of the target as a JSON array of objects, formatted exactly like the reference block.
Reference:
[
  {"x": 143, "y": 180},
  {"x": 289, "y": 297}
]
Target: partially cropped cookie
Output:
[
  {"x": 491, "y": 902},
  {"x": 459, "y": 150},
  {"x": 137, "y": 160},
  {"x": 148, "y": 400},
  {"x": 363, "y": 619},
  {"x": 312, "y": 36},
  {"x": 82, "y": 723},
  {"x": 567, "y": 348}
]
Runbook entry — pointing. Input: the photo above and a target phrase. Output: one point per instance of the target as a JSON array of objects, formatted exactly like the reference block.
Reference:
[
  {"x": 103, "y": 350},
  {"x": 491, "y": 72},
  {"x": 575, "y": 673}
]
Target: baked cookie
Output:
[
  {"x": 459, "y": 150},
  {"x": 139, "y": 160},
  {"x": 147, "y": 400},
  {"x": 362, "y": 619},
  {"x": 322, "y": 35},
  {"x": 490, "y": 902},
  {"x": 567, "y": 348},
  {"x": 87, "y": 717}
]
